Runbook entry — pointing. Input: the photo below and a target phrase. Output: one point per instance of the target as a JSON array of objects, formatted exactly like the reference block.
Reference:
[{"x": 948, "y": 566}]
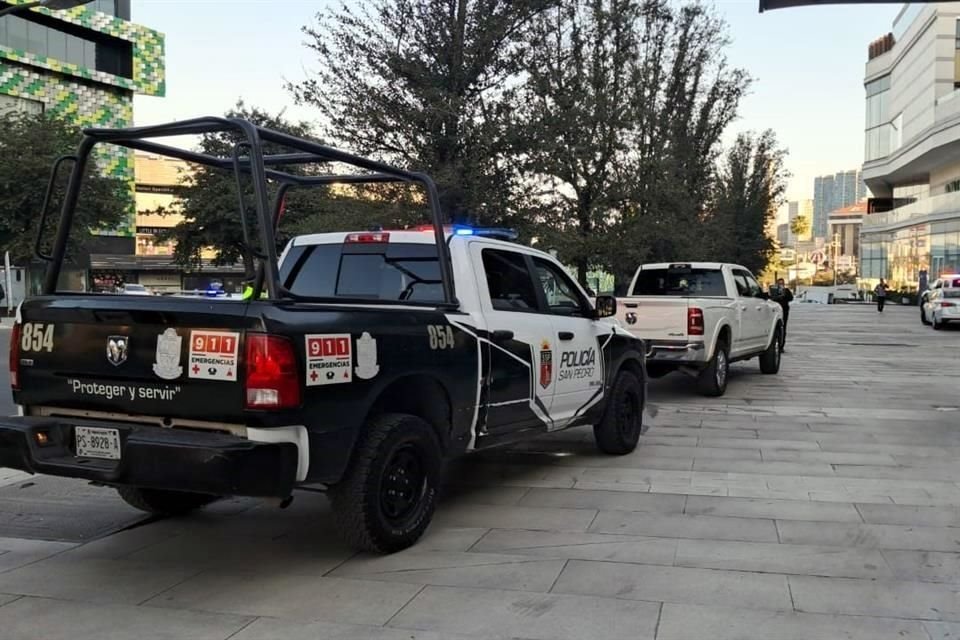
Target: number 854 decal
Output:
[
  {"x": 441, "y": 336},
  {"x": 36, "y": 337}
]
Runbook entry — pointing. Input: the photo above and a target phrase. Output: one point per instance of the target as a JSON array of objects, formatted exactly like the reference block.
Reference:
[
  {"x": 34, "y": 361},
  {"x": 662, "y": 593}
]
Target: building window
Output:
[
  {"x": 952, "y": 186},
  {"x": 109, "y": 55},
  {"x": 879, "y": 131}
]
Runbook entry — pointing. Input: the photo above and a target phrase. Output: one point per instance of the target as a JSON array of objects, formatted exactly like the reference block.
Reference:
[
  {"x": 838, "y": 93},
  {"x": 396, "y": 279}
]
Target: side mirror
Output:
[{"x": 605, "y": 307}]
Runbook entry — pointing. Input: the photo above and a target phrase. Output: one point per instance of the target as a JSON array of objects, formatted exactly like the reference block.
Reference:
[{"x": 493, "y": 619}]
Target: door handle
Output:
[
  {"x": 565, "y": 335},
  {"x": 502, "y": 335}
]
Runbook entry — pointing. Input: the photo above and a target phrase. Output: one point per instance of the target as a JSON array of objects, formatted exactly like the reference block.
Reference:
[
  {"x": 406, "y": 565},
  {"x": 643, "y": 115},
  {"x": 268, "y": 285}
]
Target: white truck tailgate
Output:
[{"x": 653, "y": 317}]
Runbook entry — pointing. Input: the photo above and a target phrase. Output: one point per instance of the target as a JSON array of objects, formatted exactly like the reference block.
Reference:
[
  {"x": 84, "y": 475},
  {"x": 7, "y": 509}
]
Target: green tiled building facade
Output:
[{"x": 85, "y": 64}]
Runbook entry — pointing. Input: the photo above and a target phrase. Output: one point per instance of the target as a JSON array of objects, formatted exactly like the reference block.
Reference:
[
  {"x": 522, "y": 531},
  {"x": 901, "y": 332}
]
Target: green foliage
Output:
[
  {"x": 28, "y": 147},
  {"x": 800, "y": 226},
  {"x": 750, "y": 187},
  {"x": 429, "y": 85}
]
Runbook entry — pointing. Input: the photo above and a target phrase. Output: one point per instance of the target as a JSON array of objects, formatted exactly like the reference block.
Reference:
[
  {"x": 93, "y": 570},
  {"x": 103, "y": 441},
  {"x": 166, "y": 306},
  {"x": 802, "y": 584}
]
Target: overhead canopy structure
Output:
[{"x": 766, "y": 5}]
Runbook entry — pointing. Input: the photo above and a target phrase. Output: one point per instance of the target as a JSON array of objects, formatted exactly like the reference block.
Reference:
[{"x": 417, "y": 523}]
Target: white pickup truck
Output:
[{"x": 699, "y": 317}]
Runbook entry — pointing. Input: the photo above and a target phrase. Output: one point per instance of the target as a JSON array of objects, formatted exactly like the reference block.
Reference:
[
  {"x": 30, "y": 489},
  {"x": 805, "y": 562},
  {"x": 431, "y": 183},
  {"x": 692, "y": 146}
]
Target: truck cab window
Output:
[
  {"x": 508, "y": 281},
  {"x": 561, "y": 294}
]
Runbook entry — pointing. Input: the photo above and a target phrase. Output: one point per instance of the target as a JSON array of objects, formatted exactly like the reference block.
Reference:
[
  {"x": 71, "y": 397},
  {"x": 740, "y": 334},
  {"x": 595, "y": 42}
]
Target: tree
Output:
[
  {"x": 750, "y": 187},
  {"x": 210, "y": 205},
  {"x": 429, "y": 85},
  {"x": 28, "y": 147},
  {"x": 625, "y": 105},
  {"x": 800, "y": 226}
]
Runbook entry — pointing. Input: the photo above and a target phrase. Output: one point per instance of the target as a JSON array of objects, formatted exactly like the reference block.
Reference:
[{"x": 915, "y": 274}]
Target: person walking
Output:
[
  {"x": 783, "y": 296},
  {"x": 881, "y": 292}
]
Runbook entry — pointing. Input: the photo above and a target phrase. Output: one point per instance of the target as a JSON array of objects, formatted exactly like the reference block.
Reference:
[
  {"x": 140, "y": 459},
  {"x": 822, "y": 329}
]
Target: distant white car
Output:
[
  {"x": 135, "y": 290},
  {"x": 941, "y": 303}
]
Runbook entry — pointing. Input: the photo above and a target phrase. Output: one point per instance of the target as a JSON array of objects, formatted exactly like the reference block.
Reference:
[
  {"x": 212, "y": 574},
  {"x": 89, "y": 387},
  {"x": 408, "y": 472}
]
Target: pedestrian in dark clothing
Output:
[
  {"x": 783, "y": 296},
  {"x": 881, "y": 292}
]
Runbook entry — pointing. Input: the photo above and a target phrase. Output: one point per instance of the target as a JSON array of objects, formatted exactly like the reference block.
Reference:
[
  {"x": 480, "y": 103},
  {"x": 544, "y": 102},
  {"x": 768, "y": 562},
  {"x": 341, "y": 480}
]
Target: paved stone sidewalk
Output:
[{"x": 821, "y": 503}]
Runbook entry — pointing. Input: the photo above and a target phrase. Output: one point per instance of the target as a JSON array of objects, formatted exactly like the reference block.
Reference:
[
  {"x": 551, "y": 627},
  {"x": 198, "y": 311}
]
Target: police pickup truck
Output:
[{"x": 370, "y": 359}]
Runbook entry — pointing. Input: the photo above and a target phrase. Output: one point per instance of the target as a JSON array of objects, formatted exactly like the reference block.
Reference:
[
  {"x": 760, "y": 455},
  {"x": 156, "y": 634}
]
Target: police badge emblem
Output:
[
  {"x": 546, "y": 364},
  {"x": 367, "y": 366},
  {"x": 167, "y": 365}
]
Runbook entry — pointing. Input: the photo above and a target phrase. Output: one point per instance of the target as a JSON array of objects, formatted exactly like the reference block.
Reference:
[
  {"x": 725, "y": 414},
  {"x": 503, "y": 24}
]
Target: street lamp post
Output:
[{"x": 53, "y": 5}]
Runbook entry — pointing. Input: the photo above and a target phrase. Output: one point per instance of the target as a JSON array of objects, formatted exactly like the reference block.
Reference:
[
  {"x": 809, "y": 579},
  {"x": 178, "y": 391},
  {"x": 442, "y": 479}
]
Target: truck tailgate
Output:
[
  {"x": 654, "y": 317},
  {"x": 151, "y": 356}
]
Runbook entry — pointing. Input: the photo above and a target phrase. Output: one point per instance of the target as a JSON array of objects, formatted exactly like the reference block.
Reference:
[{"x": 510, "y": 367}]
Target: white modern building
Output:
[{"x": 912, "y": 163}]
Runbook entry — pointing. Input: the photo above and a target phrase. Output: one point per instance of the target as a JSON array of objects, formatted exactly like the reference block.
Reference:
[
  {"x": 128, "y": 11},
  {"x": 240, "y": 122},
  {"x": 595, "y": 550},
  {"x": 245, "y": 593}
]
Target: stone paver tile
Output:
[
  {"x": 758, "y": 444},
  {"x": 782, "y": 558},
  {"x": 874, "y": 536},
  {"x": 299, "y": 597},
  {"x": 92, "y": 580},
  {"x": 945, "y": 453},
  {"x": 6, "y": 598},
  {"x": 121, "y": 544},
  {"x": 706, "y": 527},
  {"x": 760, "y": 508},
  {"x": 942, "y": 473},
  {"x": 704, "y": 452},
  {"x": 926, "y": 566},
  {"x": 910, "y": 515},
  {"x": 492, "y": 613},
  {"x": 20, "y": 552},
  {"x": 942, "y": 630},
  {"x": 761, "y": 493},
  {"x": 483, "y": 495},
  {"x": 894, "y": 599},
  {"x": 765, "y": 468},
  {"x": 619, "y": 487},
  {"x": 607, "y": 500},
  {"x": 512, "y": 475},
  {"x": 451, "y": 569},
  {"x": 612, "y": 474},
  {"x": 247, "y": 555},
  {"x": 828, "y": 457},
  {"x": 674, "y": 584},
  {"x": 513, "y": 517},
  {"x": 449, "y": 538},
  {"x": 274, "y": 629},
  {"x": 582, "y": 546},
  {"x": 692, "y": 622},
  {"x": 33, "y": 618}
]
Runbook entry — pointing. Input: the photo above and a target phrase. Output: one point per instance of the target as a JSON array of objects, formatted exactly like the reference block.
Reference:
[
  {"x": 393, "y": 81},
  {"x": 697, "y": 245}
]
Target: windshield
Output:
[
  {"x": 404, "y": 272},
  {"x": 686, "y": 282}
]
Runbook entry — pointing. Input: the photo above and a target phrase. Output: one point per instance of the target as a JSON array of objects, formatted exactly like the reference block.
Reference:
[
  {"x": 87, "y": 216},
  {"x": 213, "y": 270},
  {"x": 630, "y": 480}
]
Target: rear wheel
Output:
[
  {"x": 712, "y": 380},
  {"x": 619, "y": 431},
  {"x": 162, "y": 502},
  {"x": 770, "y": 359},
  {"x": 936, "y": 323},
  {"x": 389, "y": 494}
]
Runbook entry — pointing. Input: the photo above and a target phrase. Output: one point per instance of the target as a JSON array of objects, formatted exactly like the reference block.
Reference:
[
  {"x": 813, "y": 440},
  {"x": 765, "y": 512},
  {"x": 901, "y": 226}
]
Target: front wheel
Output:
[
  {"x": 619, "y": 430},
  {"x": 770, "y": 359},
  {"x": 389, "y": 494},
  {"x": 162, "y": 502},
  {"x": 712, "y": 380}
]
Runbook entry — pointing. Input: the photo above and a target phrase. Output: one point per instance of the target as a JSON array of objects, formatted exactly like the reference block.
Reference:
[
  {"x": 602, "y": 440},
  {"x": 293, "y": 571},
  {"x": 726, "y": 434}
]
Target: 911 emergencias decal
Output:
[
  {"x": 329, "y": 359},
  {"x": 213, "y": 355}
]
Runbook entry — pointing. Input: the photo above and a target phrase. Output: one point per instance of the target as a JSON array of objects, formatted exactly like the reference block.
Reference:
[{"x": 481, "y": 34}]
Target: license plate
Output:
[{"x": 95, "y": 442}]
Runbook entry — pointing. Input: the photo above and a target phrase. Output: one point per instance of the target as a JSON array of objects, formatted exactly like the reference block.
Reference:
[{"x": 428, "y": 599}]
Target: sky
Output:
[{"x": 807, "y": 63}]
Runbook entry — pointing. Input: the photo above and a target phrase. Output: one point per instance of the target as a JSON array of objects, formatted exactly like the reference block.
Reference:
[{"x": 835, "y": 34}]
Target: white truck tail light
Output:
[
  {"x": 15, "y": 357},
  {"x": 694, "y": 321}
]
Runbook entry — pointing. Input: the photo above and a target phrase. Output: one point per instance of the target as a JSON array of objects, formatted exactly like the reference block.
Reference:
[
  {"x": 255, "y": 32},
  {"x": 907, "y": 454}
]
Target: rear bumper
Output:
[
  {"x": 154, "y": 457},
  {"x": 676, "y": 351}
]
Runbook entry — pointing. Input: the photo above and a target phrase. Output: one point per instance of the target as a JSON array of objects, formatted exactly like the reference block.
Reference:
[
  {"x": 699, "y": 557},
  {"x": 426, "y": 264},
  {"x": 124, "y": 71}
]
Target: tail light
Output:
[
  {"x": 15, "y": 357},
  {"x": 947, "y": 304},
  {"x": 694, "y": 321},
  {"x": 272, "y": 381}
]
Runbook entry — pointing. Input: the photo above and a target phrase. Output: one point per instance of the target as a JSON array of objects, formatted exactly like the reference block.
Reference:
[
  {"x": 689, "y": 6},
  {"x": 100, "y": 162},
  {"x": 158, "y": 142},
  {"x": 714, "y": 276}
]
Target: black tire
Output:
[
  {"x": 936, "y": 325},
  {"x": 162, "y": 502},
  {"x": 619, "y": 431},
  {"x": 712, "y": 380},
  {"x": 923, "y": 315},
  {"x": 770, "y": 358},
  {"x": 387, "y": 499}
]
